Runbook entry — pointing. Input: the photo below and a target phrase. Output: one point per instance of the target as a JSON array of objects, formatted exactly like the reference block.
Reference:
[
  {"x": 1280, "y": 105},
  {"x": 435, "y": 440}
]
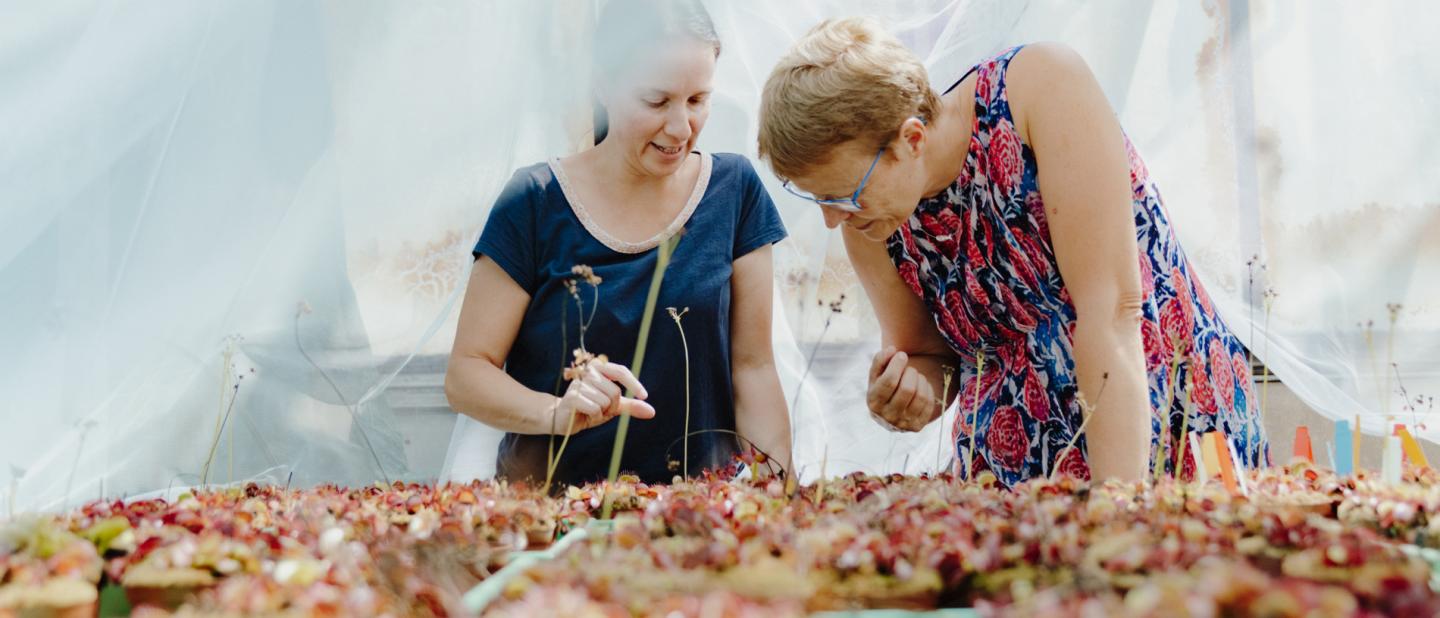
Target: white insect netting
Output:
[{"x": 236, "y": 232}]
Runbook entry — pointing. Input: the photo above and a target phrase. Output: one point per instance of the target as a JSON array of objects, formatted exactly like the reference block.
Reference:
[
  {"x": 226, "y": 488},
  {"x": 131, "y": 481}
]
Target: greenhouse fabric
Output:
[{"x": 233, "y": 233}]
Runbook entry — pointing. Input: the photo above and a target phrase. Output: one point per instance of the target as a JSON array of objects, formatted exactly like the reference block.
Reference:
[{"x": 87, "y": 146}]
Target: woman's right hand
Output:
[
  {"x": 595, "y": 397},
  {"x": 899, "y": 396}
]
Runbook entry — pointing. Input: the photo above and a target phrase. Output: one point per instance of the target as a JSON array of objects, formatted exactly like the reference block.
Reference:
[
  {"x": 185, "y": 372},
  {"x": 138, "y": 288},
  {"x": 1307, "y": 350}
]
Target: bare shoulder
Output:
[
  {"x": 1046, "y": 74},
  {"x": 1038, "y": 63}
]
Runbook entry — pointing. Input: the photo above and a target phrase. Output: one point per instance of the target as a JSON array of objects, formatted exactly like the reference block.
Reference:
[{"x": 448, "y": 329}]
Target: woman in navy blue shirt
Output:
[{"x": 608, "y": 208}]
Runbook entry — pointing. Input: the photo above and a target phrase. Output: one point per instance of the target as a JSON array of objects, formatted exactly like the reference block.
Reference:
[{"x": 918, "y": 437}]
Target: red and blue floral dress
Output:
[{"x": 979, "y": 254}]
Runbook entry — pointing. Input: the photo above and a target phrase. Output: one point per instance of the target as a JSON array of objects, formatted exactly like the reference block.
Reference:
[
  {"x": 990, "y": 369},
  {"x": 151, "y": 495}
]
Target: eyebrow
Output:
[{"x": 664, "y": 93}]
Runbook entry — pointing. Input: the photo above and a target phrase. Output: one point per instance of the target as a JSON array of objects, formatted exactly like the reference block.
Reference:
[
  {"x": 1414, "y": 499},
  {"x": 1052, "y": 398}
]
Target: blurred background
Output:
[{"x": 234, "y": 234}]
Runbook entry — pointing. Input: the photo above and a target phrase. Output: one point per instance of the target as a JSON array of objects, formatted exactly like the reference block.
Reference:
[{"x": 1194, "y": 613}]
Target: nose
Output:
[
  {"x": 833, "y": 217},
  {"x": 677, "y": 124}
]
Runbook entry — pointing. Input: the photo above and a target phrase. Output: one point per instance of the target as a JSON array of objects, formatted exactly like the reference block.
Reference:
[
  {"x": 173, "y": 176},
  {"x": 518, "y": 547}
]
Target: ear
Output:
[{"x": 912, "y": 136}]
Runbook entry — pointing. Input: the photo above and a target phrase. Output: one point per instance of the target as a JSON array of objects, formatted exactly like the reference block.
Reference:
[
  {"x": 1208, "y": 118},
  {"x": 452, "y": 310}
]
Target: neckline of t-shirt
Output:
[{"x": 702, "y": 181}]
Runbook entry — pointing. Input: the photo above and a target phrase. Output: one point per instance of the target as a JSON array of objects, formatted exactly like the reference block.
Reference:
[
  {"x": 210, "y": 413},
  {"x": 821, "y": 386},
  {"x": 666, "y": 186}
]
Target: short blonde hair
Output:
[{"x": 846, "y": 79}]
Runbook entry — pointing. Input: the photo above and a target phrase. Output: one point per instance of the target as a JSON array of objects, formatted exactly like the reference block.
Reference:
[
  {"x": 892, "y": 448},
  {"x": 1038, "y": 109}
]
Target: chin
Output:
[{"x": 877, "y": 230}]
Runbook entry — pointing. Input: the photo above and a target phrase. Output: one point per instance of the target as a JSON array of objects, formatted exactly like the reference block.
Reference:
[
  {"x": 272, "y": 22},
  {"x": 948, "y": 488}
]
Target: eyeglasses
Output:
[{"x": 845, "y": 204}]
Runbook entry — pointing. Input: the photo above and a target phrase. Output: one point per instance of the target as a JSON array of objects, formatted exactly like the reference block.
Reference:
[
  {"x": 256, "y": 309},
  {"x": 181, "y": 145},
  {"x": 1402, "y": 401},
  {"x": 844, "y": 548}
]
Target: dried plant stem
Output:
[
  {"x": 215, "y": 442},
  {"x": 550, "y": 456},
  {"x": 940, "y": 450},
  {"x": 225, "y": 369},
  {"x": 1184, "y": 440},
  {"x": 814, "y": 350},
  {"x": 1265, "y": 367},
  {"x": 588, "y": 275},
  {"x": 974, "y": 415},
  {"x": 1369, "y": 332},
  {"x": 1394, "y": 310},
  {"x": 554, "y": 462},
  {"x": 1161, "y": 448},
  {"x": 666, "y": 248},
  {"x": 824, "y": 461},
  {"x": 220, "y": 410},
  {"x": 1087, "y": 412}
]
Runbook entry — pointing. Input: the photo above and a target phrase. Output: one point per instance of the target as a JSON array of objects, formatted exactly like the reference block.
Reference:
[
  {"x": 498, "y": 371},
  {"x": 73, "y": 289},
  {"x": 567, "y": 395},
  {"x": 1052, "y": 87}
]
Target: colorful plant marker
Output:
[
  {"x": 1390, "y": 460},
  {"x": 1344, "y": 451},
  {"x": 1210, "y": 455},
  {"x": 1227, "y": 462},
  {"x": 1239, "y": 467},
  {"x": 1202, "y": 471},
  {"x": 1302, "y": 448},
  {"x": 1355, "y": 445},
  {"x": 1413, "y": 452}
]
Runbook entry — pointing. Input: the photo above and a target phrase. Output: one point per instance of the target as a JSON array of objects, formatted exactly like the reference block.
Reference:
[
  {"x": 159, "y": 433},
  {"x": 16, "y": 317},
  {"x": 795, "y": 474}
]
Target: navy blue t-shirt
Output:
[{"x": 536, "y": 236}]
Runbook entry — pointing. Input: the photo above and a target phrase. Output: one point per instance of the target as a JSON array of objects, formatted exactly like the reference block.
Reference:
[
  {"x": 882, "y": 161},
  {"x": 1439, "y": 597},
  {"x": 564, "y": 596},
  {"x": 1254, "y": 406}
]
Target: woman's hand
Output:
[
  {"x": 594, "y": 398},
  {"x": 899, "y": 396}
]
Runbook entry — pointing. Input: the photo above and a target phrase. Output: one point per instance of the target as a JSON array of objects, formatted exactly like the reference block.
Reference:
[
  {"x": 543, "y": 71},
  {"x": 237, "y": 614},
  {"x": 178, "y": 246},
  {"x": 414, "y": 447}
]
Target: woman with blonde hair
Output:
[{"x": 1009, "y": 228}]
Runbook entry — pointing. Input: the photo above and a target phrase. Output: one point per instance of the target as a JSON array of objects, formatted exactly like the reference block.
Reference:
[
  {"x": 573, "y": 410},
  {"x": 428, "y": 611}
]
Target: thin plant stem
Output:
[
  {"x": 1250, "y": 296},
  {"x": 584, "y": 272},
  {"x": 1369, "y": 332},
  {"x": 226, "y": 367},
  {"x": 1184, "y": 431},
  {"x": 554, "y": 463},
  {"x": 559, "y": 380},
  {"x": 205, "y": 472},
  {"x": 824, "y": 461},
  {"x": 1405, "y": 395},
  {"x": 940, "y": 450},
  {"x": 1161, "y": 449},
  {"x": 814, "y": 351},
  {"x": 1394, "y": 310},
  {"x": 1087, "y": 412},
  {"x": 974, "y": 416},
  {"x": 685, "y": 345},
  {"x": 662, "y": 261},
  {"x": 80, "y": 448},
  {"x": 1170, "y": 404},
  {"x": 1265, "y": 367}
]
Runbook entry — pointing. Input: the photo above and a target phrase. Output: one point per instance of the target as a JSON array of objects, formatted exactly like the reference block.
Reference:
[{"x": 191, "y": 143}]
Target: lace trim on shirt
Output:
[{"x": 605, "y": 238}]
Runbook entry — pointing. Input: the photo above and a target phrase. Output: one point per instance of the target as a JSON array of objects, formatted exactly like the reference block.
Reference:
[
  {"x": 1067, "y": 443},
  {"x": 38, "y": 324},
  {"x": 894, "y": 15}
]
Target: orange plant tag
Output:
[{"x": 1302, "y": 448}]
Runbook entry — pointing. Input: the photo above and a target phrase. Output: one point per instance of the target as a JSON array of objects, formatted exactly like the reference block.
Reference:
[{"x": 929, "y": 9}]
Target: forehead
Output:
[{"x": 673, "y": 65}]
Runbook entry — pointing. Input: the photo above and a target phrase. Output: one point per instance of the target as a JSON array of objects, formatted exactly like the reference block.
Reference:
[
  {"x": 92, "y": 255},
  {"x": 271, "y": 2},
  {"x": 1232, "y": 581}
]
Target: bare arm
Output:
[
  {"x": 477, "y": 386},
  {"x": 1085, "y": 181},
  {"x": 907, "y": 375},
  {"x": 760, "y": 411}
]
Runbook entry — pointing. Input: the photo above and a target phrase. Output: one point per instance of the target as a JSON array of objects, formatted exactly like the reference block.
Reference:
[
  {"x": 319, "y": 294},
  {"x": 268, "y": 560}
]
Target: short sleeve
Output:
[
  {"x": 509, "y": 234},
  {"x": 760, "y": 223}
]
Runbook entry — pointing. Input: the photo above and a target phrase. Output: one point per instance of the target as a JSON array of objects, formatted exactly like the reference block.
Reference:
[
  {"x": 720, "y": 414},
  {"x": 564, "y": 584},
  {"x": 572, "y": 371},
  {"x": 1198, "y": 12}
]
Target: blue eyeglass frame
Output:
[{"x": 845, "y": 204}]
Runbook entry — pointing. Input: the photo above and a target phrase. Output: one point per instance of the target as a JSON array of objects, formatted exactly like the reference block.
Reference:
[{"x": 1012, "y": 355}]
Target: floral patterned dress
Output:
[{"x": 979, "y": 254}]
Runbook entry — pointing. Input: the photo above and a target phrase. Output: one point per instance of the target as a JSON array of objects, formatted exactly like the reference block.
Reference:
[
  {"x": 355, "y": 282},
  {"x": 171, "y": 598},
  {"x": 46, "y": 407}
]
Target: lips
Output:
[{"x": 670, "y": 151}]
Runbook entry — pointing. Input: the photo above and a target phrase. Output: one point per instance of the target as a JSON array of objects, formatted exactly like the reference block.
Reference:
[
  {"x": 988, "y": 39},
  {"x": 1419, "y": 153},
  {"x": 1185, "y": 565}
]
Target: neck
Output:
[
  {"x": 616, "y": 167},
  {"x": 950, "y": 144}
]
